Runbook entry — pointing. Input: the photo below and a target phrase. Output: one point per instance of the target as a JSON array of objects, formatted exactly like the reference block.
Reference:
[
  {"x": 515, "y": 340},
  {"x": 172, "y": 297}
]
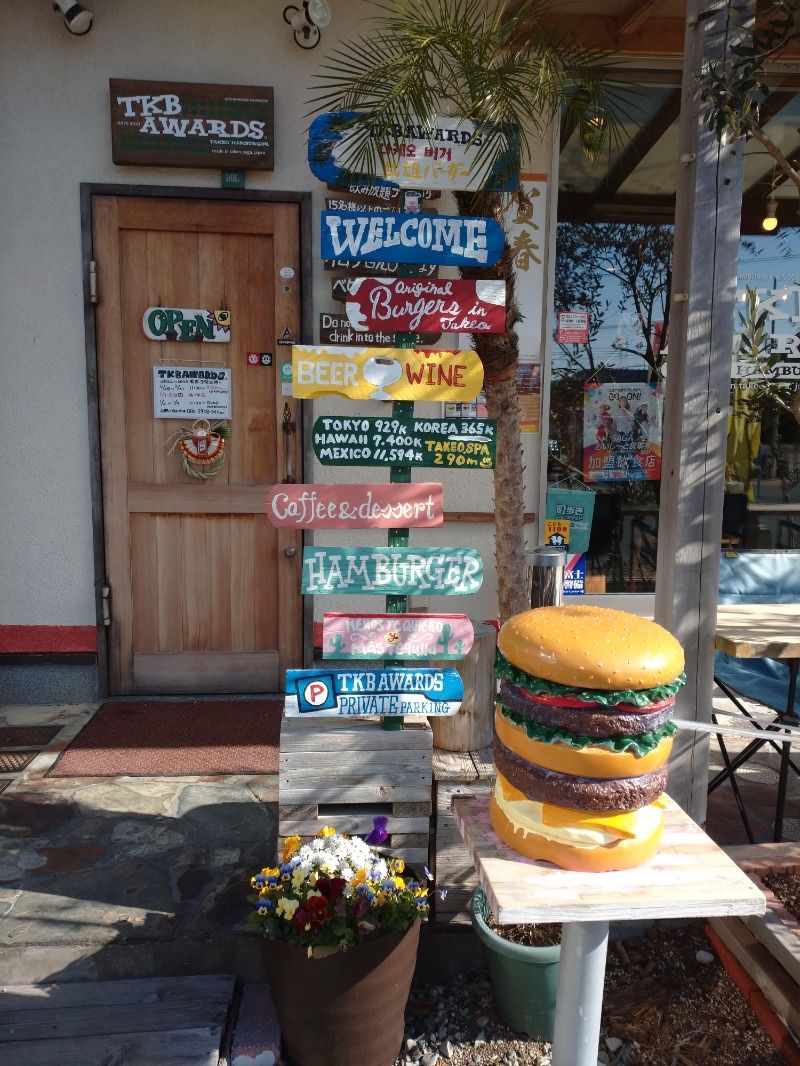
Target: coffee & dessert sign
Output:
[
  {"x": 186, "y": 124},
  {"x": 378, "y": 506}
]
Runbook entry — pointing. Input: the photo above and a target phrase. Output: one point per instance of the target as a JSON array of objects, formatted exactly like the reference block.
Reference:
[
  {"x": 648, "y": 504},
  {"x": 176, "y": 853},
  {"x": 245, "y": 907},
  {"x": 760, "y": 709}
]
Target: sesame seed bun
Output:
[{"x": 591, "y": 648}]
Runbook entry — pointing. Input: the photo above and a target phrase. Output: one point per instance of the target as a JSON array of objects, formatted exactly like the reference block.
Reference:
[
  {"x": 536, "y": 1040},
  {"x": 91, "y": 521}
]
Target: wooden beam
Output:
[
  {"x": 704, "y": 269},
  {"x": 636, "y": 13},
  {"x": 658, "y": 37}
]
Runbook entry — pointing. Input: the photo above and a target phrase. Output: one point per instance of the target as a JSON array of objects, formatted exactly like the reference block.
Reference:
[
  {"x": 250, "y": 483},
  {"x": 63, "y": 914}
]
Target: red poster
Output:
[{"x": 427, "y": 305}]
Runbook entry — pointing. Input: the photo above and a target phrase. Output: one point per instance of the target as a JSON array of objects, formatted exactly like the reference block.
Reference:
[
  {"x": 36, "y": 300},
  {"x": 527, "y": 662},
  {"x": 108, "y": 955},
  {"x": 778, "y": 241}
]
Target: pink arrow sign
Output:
[
  {"x": 396, "y": 636},
  {"x": 412, "y": 305},
  {"x": 381, "y": 506}
]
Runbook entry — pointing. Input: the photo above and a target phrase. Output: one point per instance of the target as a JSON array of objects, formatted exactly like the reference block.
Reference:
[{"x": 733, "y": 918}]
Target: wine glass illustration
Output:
[{"x": 381, "y": 370}]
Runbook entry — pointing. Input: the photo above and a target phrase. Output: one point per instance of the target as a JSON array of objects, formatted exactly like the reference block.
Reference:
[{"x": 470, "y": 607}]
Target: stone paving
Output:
[{"x": 90, "y": 866}]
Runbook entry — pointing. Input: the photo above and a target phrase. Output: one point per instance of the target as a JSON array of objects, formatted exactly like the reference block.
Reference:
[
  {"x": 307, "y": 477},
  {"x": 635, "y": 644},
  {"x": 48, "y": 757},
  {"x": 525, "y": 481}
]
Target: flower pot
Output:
[
  {"x": 524, "y": 977},
  {"x": 348, "y": 1008}
]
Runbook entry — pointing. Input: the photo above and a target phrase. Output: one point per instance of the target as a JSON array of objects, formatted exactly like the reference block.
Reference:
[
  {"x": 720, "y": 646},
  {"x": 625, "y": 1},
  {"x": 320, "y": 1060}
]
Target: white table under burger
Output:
[{"x": 690, "y": 877}]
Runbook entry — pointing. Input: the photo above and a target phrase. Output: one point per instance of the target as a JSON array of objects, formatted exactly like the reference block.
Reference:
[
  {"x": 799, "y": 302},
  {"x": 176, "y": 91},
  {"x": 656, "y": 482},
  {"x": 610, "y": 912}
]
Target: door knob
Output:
[{"x": 290, "y": 552}]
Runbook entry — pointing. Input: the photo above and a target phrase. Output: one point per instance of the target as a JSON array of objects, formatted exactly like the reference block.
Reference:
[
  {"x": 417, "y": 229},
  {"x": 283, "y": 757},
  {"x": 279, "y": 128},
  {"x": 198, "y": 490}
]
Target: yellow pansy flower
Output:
[{"x": 287, "y": 907}]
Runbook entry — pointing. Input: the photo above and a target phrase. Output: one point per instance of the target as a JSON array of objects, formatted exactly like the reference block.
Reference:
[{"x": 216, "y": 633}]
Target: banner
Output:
[
  {"x": 621, "y": 432},
  {"x": 575, "y": 506}
]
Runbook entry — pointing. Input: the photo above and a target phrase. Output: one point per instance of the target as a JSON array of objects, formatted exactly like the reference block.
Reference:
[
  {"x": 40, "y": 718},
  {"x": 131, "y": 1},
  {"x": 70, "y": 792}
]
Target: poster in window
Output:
[
  {"x": 529, "y": 394},
  {"x": 621, "y": 432}
]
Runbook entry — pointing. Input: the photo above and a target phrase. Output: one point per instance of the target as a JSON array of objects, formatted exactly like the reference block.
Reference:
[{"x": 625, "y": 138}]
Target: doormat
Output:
[
  {"x": 27, "y": 736},
  {"x": 159, "y": 738}
]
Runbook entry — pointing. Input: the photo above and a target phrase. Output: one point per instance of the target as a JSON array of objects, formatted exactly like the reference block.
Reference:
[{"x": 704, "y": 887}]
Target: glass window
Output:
[
  {"x": 762, "y": 472},
  {"x": 607, "y": 387}
]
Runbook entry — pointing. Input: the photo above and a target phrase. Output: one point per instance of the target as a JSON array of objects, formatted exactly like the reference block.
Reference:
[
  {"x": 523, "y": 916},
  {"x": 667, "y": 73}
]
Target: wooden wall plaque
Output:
[{"x": 187, "y": 124}]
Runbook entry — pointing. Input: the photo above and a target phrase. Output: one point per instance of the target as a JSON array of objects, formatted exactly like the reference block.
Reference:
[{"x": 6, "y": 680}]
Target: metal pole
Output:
[
  {"x": 545, "y": 573},
  {"x": 579, "y": 1002}
]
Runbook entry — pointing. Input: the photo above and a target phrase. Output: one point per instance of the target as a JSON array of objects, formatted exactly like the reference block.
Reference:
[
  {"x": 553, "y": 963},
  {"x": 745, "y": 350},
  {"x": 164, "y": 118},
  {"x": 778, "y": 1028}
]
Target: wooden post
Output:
[{"x": 703, "y": 293}]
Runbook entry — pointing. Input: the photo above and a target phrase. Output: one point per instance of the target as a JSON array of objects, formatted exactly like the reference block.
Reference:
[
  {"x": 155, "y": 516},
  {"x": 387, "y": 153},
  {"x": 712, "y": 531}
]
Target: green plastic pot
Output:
[{"x": 524, "y": 978}]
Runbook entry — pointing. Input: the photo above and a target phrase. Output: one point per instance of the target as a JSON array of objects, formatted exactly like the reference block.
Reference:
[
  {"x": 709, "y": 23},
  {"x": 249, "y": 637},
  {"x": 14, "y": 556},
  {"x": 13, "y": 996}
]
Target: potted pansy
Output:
[{"x": 341, "y": 928}]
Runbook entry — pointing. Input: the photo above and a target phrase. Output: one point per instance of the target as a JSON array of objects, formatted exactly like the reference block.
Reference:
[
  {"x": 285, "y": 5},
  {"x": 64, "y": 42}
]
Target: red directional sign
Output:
[{"x": 412, "y": 305}]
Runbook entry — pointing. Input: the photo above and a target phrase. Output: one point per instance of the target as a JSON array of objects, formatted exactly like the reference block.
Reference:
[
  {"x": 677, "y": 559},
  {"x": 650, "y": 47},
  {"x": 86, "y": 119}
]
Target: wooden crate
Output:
[
  {"x": 343, "y": 773},
  {"x": 455, "y": 773}
]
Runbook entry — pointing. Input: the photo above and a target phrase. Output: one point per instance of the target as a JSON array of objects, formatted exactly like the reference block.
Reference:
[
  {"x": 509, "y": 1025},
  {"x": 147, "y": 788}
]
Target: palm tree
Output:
[{"x": 511, "y": 73}]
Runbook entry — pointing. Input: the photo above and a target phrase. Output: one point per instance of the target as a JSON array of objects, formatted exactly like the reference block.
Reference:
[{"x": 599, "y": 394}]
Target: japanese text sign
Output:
[{"x": 396, "y": 636}]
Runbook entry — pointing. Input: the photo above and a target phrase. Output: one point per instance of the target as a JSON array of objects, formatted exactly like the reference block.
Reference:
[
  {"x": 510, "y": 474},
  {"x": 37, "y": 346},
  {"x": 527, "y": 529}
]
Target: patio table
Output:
[
  {"x": 690, "y": 877},
  {"x": 768, "y": 631}
]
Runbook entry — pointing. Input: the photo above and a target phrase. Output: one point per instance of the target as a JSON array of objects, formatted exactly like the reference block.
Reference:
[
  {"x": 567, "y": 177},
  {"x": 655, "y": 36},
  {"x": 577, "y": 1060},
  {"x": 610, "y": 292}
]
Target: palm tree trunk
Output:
[
  {"x": 502, "y": 404},
  {"x": 499, "y": 354}
]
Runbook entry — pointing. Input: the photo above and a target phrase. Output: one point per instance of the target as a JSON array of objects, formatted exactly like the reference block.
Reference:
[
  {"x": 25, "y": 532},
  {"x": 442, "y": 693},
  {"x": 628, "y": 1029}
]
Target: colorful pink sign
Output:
[
  {"x": 396, "y": 636},
  {"x": 380, "y": 506},
  {"x": 414, "y": 305}
]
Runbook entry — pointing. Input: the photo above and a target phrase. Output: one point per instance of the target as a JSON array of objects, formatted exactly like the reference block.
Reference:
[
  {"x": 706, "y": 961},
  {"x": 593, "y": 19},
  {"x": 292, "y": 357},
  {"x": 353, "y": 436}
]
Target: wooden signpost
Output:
[
  {"x": 385, "y": 373},
  {"x": 392, "y": 571},
  {"x": 412, "y": 304},
  {"x": 464, "y": 443},
  {"x": 396, "y": 692},
  {"x": 444, "y": 155},
  {"x": 186, "y": 324},
  {"x": 356, "y": 506},
  {"x": 396, "y": 636},
  {"x": 449, "y": 240}
]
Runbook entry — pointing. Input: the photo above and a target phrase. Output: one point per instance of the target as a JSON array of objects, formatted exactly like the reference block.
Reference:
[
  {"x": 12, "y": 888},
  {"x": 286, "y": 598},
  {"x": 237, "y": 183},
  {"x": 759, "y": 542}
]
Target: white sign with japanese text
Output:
[{"x": 191, "y": 392}]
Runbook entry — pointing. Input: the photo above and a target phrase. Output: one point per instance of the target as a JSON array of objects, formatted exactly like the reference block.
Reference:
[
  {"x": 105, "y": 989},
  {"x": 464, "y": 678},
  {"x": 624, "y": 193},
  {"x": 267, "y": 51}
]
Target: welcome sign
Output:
[
  {"x": 392, "y": 571},
  {"x": 441, "y": 154},
  {"x": 407, "y": 305},
  {"x": 384, "y": 373},
  {"x": 449, "y": 240},
  {"x": 396, "y": 636},
  {"x": 398, "y": 691},
  {"x": 356, "y": 506},
  {"x": 461, "y": 443}
]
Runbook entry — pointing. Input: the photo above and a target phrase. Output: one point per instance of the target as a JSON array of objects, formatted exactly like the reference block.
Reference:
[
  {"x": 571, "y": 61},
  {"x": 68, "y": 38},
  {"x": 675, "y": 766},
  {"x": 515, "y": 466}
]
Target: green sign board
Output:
[
  {"x": 392, "y": 571},
  {"x": 460, "y": 443}
]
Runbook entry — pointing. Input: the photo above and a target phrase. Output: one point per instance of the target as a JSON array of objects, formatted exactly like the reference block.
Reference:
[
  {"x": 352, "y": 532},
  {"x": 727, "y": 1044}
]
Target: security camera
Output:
[{"x": 76, "y": 18}]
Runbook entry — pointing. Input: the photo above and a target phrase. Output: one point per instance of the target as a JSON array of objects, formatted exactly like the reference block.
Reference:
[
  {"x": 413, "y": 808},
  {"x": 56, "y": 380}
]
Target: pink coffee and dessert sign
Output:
[{"x": 379, "y": 506}]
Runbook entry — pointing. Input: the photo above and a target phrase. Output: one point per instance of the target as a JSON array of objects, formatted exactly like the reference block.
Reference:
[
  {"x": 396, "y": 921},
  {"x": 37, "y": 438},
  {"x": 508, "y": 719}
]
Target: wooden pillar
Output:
[{"x": 703, "y": 293}]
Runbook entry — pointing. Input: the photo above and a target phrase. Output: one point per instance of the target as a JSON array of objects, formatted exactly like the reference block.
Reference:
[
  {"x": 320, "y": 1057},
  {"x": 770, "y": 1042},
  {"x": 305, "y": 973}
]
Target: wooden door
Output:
[{"x": 205, "y": 594}]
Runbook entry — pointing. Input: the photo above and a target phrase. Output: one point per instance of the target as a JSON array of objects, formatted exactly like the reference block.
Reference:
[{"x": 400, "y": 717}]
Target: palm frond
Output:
[{"x": 508, "y": 73}]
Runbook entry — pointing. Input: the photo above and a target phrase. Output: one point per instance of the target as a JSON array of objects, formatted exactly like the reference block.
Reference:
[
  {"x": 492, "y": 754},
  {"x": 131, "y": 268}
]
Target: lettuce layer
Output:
[
  {"x": 642, "y": 744},
  {"x": 638, "y": 697}
]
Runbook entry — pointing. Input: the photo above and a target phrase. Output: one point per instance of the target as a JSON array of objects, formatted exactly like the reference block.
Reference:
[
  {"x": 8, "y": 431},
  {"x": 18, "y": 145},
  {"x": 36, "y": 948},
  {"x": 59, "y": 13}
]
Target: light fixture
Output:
[
  {"x": 76, "y": 18},
  {"x": 307, "y": 20},
  {"x": 770, "y": 220}
]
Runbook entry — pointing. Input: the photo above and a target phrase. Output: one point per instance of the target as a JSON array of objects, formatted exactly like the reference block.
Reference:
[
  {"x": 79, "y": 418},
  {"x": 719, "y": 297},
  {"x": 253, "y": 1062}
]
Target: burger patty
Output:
[
  {"x": 595, "y": 721},
  {"x": 579, "y": 793}
]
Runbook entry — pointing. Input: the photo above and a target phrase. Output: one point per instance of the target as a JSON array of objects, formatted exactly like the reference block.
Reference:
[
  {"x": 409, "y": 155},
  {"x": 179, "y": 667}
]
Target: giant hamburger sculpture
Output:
[{"x": 583, "y": 735}]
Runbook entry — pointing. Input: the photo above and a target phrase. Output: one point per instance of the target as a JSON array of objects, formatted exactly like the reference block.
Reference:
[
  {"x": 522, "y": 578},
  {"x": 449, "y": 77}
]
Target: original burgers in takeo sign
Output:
[{"x": 583, "y": 735}]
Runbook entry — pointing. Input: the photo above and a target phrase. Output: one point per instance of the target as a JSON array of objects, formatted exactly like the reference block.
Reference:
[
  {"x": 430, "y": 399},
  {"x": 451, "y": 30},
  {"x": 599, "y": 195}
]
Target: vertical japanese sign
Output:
[
  {"x": 526, "y": 227},
  {"x": 622, "y": 432}
]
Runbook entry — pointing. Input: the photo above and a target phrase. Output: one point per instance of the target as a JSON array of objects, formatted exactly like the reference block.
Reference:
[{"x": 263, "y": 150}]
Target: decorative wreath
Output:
[{"x": 202, "y": 447}]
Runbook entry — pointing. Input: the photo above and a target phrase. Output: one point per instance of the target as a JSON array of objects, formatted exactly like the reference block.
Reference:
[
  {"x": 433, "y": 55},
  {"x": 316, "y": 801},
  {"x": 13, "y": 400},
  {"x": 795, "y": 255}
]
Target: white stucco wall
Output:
[{"x": 54, "y": 134}]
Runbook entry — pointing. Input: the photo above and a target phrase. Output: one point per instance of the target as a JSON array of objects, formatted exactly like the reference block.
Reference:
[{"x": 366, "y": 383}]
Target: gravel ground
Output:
[{"x": 668, "y": 1002}]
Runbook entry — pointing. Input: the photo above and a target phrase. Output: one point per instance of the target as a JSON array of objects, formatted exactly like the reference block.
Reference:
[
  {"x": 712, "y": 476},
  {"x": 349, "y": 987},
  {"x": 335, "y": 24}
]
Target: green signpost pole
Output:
[{"x": 401, "y": 475}]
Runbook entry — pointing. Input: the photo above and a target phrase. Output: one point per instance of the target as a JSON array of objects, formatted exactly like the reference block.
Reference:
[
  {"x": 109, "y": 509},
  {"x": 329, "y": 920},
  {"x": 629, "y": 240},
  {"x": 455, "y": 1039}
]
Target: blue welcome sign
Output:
[
  {"x": 384, "y": 236},
  {"x": 396, "y": 691},
  {"x": 445, "y": 153}
]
